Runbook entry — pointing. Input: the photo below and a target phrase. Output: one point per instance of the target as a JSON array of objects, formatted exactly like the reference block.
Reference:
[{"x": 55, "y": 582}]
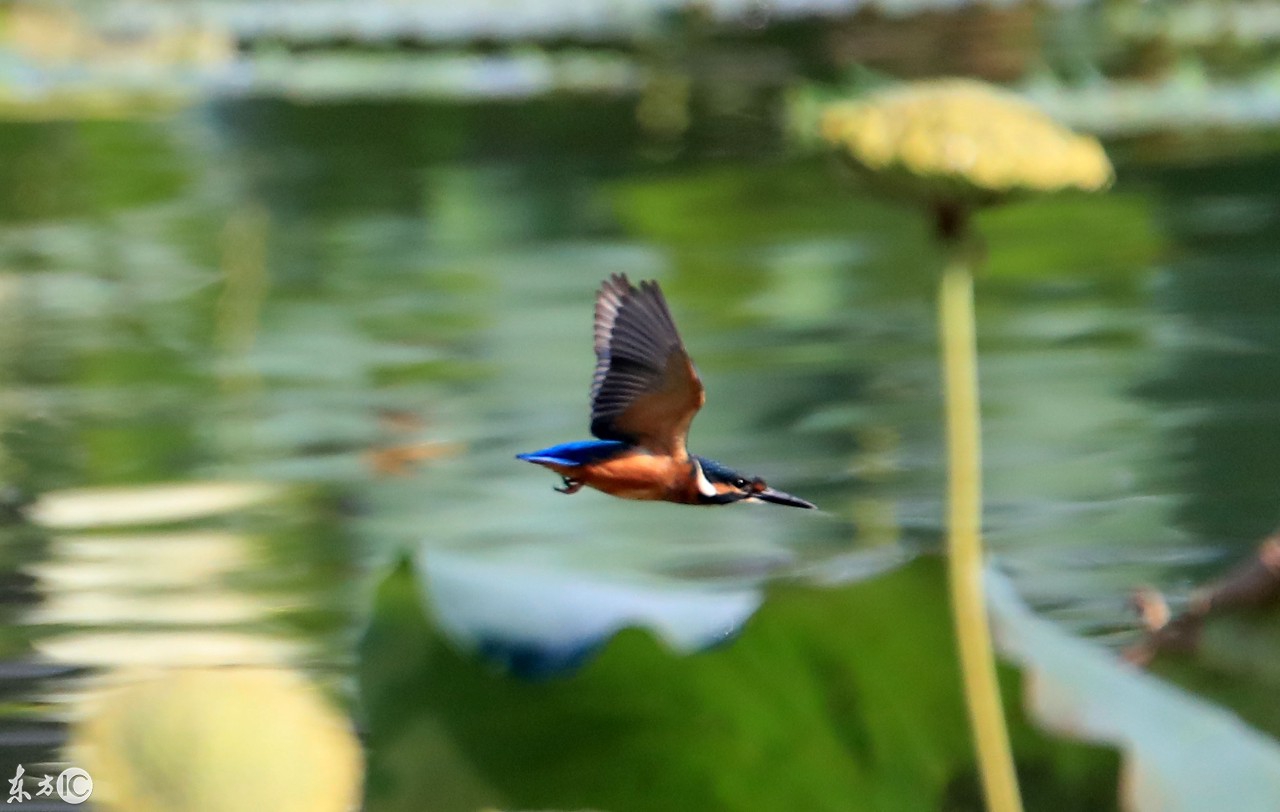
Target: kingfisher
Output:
[{"x": 644, "y": 394}]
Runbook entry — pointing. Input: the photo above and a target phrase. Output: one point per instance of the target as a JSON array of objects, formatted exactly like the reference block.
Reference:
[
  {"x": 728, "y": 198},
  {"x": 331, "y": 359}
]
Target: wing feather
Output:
[{"x": 645, "y": 390}]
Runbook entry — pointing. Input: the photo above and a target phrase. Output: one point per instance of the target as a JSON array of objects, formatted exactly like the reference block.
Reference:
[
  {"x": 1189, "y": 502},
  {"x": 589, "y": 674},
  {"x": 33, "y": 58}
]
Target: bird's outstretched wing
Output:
[{"x": 645, "y": 390}]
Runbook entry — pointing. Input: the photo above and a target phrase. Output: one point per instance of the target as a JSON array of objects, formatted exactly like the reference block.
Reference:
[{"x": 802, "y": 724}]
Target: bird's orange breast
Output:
[{"x": 637, "y": 476}]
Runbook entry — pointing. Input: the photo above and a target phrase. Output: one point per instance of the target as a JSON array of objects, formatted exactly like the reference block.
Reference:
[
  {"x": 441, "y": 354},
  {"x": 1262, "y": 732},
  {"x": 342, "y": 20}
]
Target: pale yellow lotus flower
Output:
[
  {"x": 962, "y": 142},
  {"x": 217, "y": 740}
]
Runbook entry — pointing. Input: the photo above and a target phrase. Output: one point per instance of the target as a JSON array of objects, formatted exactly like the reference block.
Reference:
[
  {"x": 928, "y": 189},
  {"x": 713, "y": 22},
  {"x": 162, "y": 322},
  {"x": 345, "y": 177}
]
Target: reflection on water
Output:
[
  {"x": 1216, "y": 386},
  {"x": 373, "y": 321},
  {"x": 159, "y": 576}
]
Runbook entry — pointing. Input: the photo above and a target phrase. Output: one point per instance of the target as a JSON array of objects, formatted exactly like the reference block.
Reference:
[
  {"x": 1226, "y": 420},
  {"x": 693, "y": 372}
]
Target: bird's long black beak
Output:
[{"x": 780, "y": 498}]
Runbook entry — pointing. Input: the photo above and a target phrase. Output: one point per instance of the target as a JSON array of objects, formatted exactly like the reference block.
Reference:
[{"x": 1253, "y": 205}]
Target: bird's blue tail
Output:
[{"x": 581, "y": 452}]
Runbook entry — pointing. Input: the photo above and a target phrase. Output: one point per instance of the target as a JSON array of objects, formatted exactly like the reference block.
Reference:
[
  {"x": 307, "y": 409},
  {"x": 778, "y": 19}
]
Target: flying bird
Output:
[{"x": 644, "y": 395}]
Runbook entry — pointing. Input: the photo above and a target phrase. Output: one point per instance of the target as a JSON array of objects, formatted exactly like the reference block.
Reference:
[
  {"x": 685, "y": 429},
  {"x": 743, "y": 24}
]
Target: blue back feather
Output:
[
  {"x": 581, "y": 452},
  {"x": 717, "y": 472}
]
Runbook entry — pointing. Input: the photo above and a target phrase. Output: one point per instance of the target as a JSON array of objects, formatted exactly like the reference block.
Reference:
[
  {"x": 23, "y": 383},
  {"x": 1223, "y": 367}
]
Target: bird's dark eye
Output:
[{"x": 739, "y": 483}]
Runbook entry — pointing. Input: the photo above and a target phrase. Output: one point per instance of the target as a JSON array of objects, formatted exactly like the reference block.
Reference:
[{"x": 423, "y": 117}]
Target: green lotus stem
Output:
[{"x": 964, "y": 524}]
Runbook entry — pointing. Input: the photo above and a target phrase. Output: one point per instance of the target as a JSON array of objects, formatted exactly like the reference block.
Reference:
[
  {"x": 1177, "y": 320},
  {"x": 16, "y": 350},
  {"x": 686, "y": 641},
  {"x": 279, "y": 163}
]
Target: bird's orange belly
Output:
[{"x": 638, "y": 476}]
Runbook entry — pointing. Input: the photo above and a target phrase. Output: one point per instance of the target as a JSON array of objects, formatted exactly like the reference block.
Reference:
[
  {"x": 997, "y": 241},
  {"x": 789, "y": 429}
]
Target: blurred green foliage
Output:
[
  {"x": 1041, "y": 238},
  {"x": 831, "y": 698}
]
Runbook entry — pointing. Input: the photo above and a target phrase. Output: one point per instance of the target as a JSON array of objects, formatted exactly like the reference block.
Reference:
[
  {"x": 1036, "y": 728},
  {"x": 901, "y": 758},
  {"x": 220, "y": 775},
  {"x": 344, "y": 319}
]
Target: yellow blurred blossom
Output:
[
  {"x": 217, "y": 740},
  {"x": 962, "y": 141}
]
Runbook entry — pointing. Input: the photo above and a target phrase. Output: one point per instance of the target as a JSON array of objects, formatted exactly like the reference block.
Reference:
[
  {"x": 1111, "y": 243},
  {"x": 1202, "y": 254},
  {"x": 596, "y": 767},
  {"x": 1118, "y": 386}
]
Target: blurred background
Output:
[{"x": 284, "y": 287}]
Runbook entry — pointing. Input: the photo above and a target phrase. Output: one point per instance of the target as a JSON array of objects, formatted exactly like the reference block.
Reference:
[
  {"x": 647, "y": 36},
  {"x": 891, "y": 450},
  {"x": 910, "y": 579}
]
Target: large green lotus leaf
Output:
[
  {"x": 1181, "y": 753},
  {"x": 831, "y": 697}
]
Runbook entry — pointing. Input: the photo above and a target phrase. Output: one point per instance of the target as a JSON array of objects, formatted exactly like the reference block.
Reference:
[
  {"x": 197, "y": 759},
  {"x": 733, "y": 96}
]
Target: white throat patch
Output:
[{"x": 704, "y": 485}]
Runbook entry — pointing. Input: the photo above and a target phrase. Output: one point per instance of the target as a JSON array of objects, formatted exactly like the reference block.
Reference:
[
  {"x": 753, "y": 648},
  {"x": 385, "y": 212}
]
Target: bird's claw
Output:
[{"x": 570, "y": 486}]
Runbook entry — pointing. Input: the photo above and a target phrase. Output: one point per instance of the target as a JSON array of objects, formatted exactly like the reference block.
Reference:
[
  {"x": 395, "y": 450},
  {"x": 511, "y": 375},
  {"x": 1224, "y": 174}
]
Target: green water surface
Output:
[{"x": 261, "y": 291}]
